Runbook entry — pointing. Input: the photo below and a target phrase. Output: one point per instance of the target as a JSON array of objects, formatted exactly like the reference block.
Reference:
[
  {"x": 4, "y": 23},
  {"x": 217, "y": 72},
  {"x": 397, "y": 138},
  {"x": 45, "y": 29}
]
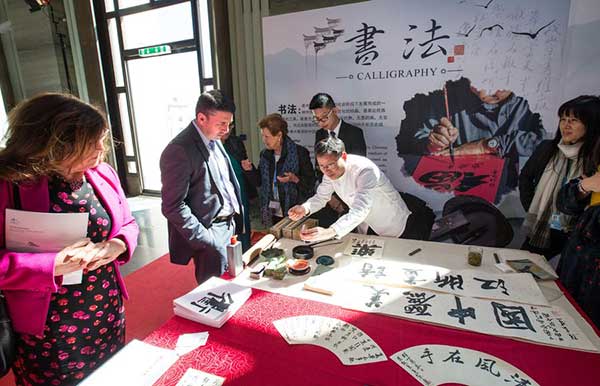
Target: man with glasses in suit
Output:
[{"x": 325, "y": 115}]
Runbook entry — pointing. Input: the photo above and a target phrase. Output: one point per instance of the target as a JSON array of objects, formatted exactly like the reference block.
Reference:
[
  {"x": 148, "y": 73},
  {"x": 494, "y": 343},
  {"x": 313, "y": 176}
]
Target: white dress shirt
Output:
[
  {"x": 371, "y": 197},
  {"x": 336, "y": 129},
  {"x": 230, "y": 201}
]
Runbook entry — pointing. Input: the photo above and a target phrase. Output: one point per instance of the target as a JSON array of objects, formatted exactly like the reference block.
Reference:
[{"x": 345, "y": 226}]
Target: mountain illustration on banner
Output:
[{"x": 320, "y": 38}]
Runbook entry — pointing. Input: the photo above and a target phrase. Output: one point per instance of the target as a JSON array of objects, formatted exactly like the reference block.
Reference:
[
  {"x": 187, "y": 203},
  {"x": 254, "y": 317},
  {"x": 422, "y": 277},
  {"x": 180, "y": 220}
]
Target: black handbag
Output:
[
  {"x": 7, "y": 333},
  {"x": 7, "y": 339}
]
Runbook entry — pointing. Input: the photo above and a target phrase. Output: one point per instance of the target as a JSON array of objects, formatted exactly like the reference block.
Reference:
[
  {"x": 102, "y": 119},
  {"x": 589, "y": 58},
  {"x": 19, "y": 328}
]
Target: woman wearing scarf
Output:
[
  {"x": 579, "y": 266},
  {"x": 285, "y": 173},
  {"x": 552, "y": 165}
]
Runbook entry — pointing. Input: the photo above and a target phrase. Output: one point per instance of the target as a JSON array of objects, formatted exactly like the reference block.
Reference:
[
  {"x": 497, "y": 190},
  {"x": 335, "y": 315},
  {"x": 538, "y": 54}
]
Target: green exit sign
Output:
[{"x": 156, "y": 50}]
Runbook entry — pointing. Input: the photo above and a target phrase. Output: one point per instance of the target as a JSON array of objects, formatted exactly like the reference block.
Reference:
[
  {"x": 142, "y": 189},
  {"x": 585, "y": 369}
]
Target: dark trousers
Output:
[
  {"x": 414, "y": 229},
  {"x": 327, "y": 215},
  {"x": 212, "y": 260},
  {"x": 417, "y": 227}
]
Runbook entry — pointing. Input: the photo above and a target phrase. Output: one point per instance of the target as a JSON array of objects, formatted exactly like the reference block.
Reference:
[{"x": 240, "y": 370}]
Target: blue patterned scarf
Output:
[{"x": 289, "y": 156}]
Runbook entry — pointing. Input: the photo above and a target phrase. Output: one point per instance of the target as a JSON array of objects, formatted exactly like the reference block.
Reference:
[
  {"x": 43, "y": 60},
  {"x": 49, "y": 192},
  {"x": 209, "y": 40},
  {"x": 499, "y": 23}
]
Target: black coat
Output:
[
  {"x": 352, "y": 136},
  {"x": 579, "y": 265},
  {"x": 236, "y": 149},
  {"x": 532, "y": 171}
]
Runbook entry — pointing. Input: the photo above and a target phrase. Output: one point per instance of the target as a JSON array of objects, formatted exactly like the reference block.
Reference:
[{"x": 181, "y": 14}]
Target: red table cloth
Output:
[{"x": 248, "y": 350}]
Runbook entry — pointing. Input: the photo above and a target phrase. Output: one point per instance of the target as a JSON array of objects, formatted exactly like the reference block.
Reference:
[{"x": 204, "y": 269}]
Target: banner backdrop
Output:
[{"x": 395, "y": 68}]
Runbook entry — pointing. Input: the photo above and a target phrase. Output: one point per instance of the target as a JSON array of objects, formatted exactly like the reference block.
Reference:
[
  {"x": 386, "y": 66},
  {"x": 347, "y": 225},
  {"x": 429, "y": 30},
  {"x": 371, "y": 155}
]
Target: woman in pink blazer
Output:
[{"x": 53, "y": 163}]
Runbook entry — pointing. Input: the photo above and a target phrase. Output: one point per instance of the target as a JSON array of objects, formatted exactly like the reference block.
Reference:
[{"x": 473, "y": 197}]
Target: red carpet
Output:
[{"x": 152, "y": 289}]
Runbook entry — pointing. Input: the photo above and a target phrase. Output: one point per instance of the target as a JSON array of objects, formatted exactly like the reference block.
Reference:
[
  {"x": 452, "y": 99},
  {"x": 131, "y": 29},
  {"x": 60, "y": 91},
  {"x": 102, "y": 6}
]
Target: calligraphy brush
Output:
[{"x": 451, "y": 147}]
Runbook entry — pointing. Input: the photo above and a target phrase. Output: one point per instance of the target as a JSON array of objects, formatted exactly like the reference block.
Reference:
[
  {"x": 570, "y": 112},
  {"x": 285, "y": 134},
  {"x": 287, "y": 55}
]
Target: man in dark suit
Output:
[
  {"x": 325, "y": 114},
  {"x": 200, "y": 193}
]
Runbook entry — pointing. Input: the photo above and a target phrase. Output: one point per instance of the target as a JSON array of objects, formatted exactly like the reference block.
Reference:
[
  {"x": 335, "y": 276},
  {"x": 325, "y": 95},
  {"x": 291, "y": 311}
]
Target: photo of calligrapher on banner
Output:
[{"x": 408, "y": 73}]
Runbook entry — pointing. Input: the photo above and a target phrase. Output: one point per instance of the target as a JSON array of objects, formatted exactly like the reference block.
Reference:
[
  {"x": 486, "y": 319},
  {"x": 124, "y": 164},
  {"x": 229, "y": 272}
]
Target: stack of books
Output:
[
  {"x": 291, "y": 229},
  {"x": 213, "y": 302},
  {"x": 276, "y": 229}
]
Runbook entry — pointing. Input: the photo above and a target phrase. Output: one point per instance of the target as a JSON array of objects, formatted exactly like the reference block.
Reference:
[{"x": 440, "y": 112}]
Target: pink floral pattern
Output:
[{"x": 86, "y": 322}]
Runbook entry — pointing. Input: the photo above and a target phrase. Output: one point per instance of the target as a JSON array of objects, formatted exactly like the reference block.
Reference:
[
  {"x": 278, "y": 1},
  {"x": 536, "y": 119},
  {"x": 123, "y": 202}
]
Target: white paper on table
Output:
[
  {"x": 546, "y": 325},
  {"x": 193, "y": 377},
  {"x": 213, "y": 302},
  {"x": 190, "y": 342},
  {"x": 434, "y": 364},
  {"x": 138, "y": 363},
  {"x": 364, "y": 247},
  {"x": 45, "y": 232},
  {"x": 515, "y": 287},
  {"x": 349, "y": 343},
  {"x": 281, "y": 326}
]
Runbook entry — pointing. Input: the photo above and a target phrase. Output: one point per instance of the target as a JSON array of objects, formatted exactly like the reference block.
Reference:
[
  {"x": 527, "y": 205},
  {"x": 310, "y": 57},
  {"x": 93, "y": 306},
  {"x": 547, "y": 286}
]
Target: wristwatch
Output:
[{"x": 493, "y": 144}]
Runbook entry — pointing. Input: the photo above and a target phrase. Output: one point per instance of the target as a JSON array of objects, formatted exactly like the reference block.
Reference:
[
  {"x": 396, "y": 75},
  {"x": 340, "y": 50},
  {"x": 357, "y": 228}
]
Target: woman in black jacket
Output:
[
  {"x": 579, "y": 266},
  {"x": 285, "y": 173},
  {"x": 551, "y": 166}
]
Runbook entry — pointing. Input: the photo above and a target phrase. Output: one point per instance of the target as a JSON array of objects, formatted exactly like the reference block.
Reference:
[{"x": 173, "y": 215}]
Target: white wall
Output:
[{"x": 582, "y": 50}]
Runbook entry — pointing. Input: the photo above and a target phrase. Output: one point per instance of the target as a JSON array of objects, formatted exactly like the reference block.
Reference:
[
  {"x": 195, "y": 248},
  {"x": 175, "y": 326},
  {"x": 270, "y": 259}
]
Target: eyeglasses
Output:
[
  {"x": 322, "y": 119},
  {"x": 330, "y": 166}
]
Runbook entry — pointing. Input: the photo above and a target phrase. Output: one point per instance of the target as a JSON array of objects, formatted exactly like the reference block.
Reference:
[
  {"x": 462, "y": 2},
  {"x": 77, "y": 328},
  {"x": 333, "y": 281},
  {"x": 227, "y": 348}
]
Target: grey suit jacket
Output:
[{"x": 191, "y": 194}]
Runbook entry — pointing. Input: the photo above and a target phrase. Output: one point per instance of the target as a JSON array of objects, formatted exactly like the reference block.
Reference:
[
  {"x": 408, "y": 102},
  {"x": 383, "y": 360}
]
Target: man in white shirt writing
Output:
[{"x": 374, "y": 203}]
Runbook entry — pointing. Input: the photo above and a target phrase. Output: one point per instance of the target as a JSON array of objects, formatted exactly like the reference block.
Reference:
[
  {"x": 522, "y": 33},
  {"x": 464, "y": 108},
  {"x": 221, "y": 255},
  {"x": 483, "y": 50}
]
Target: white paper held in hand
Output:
[
  {"x": 73, "y": 277},
  {"x": 37, "y": 232}
]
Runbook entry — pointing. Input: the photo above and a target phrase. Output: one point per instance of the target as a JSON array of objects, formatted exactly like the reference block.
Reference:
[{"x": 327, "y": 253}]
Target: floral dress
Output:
[{"x": 86, "y": 322}]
